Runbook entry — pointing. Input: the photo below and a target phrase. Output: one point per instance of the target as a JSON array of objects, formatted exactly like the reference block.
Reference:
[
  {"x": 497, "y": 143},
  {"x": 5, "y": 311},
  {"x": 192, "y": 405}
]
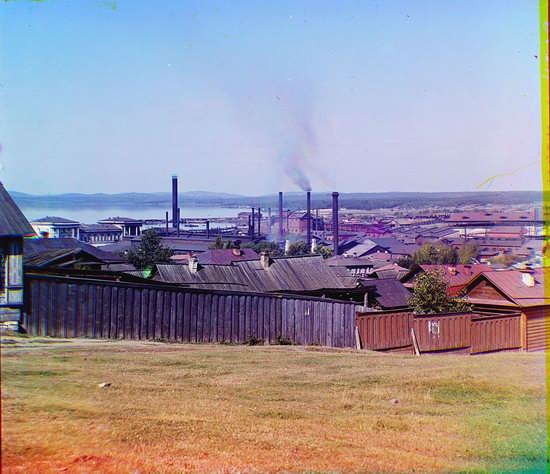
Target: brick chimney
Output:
[
  {"x": 193, "y": 265},
  {"x": 265, "y": 261}
]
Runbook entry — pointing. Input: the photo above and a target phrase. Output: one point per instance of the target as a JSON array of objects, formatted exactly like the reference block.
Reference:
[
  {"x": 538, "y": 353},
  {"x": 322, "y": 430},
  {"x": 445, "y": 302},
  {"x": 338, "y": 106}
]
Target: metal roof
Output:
[
  {"x": 511, "y": 284},
  {"x": 12, "y": 221}
]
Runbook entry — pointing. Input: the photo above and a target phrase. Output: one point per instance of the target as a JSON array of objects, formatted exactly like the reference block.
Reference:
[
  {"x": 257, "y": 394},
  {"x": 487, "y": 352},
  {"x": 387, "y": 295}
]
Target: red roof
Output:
[
  {"x": 512, "y": 284},
  {"x": 458, "y": 275}
]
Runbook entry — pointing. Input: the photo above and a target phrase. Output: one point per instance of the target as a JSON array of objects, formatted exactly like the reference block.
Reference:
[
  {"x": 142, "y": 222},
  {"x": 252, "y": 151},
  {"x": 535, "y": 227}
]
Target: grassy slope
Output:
[{"x": 227, "y": 408}]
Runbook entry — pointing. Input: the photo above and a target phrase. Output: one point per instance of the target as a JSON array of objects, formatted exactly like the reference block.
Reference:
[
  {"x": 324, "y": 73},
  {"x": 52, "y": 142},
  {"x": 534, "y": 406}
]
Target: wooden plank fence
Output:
[
  {"x": 452, "y": 332},
  {"x": 76, "y": 307}
]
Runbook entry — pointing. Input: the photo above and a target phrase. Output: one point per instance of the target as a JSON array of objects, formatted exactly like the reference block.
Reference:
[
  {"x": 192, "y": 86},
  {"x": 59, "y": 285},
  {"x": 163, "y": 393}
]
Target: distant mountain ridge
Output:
[{"x": 292, "y": 200}]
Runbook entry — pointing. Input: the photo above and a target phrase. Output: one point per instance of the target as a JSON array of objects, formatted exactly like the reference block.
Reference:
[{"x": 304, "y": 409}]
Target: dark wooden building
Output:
[{"x": 14, "y": 227}]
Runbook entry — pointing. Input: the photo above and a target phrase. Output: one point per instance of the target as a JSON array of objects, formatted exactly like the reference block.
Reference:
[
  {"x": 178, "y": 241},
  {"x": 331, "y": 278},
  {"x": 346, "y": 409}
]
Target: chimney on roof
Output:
[
  {"x": 313, "y": 245},
  {"x": 308, "y": 217},
  {"x": 527, "y": 279},
  {"x": 280, "y": 215},
  {"x": 174, "y": 200},
  {"x": 335, "y": 230},
  {"x": 193, "y": 265},
  {"x": 265, "y": 260},
  {"x": 287, "y": 246}
]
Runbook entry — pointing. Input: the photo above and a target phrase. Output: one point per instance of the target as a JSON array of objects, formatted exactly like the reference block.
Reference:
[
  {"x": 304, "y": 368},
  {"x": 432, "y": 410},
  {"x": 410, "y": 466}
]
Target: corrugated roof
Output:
[{"x": 12, "y": 221}]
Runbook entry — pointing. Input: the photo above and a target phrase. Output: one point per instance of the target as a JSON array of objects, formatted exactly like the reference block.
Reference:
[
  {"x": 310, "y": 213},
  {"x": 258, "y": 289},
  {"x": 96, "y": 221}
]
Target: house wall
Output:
[
  {"x": 484, "y": 290},
  {"x": 537, "y": 321},
  {"x": 11, "y": 290}
]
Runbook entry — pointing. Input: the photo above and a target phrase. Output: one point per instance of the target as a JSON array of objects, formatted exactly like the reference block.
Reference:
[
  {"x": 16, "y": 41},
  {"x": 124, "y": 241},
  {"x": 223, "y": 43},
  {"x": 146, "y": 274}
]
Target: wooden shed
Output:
[
  {"x": 13, "y": 228},
  {"x": 520, "y": 291}
]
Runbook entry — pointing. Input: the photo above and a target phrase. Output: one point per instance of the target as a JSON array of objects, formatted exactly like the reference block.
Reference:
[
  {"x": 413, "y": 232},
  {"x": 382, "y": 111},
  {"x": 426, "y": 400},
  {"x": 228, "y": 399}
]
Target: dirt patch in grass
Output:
[{"x": 222, "y": 408}]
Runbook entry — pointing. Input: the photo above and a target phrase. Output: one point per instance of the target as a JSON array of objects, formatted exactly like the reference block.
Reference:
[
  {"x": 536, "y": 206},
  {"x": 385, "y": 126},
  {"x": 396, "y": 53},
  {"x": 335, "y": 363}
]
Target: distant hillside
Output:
[{"x": 292, "y": 200}]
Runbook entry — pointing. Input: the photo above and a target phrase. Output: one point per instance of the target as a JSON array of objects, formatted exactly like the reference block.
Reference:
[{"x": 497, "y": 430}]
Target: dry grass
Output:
[{"x": 204, "y": 408}]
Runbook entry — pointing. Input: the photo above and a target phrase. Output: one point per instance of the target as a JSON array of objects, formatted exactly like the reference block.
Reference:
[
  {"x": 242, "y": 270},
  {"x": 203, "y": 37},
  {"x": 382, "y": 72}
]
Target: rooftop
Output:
[
  {"x": 12, "y": 221},
  {"x": 54, "y": 220}
]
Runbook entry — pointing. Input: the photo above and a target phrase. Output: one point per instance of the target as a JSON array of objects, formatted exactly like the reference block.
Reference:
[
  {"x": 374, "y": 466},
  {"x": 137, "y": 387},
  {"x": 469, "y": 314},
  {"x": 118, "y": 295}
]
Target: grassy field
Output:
[{"x": 218, "y": 408}]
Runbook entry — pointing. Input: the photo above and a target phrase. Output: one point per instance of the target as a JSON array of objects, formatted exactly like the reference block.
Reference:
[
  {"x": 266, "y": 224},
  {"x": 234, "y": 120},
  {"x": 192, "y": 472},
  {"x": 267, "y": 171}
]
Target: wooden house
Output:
[
  {"x": 13, "y": 228},
  {"x": 519, "y": 291}
]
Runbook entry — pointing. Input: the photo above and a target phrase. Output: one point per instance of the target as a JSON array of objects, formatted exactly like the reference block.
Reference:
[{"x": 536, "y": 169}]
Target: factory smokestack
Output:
[
  {"x": 280, "y": 216},
  {"x": 174, "y": 200},
  {"x": 335, "y": 233},
  {"x": 308, "y": 217}
]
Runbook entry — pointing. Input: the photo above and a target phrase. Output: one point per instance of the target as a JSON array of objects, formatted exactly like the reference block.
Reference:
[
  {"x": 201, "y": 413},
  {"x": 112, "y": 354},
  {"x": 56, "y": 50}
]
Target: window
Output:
[{"x": 2, "y": 271}]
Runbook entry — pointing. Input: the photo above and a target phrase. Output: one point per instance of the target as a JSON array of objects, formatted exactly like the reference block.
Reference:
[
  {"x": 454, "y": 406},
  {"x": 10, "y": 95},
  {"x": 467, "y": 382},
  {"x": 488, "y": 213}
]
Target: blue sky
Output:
[{"x": 235, "y": 96}]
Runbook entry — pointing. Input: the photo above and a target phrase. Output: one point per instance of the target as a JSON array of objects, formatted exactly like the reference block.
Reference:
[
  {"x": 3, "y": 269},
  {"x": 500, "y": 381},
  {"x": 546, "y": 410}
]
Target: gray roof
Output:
[
  {"x": 12, "y": 221},
  {"x": 395, "y": 246},
  {"x": 296, "y": 274},
  {"x": 343, "y": 261},
  {"x": 389, "y": 293},
  {"x": 213, "y": 277},
  {"x": 55, "y": 220},
  {"x": 129, "y": 220},
  {"x": 50, "y": 247},
  {"x": 99, "y": 228}
]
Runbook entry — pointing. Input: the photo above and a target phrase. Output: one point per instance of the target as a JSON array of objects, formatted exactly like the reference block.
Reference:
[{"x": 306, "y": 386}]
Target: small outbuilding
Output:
[{"x": 14, "y": 227}]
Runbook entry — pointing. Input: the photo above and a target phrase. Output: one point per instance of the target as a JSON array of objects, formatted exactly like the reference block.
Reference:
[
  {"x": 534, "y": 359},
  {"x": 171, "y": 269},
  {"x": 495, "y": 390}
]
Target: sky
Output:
[{"x": 253, "y": 97}]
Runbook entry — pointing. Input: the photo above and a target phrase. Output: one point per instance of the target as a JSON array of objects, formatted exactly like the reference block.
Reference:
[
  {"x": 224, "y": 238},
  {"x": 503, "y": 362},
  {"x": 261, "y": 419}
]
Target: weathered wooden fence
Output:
[
  {"x": 385, "y": 331},
  {"x": 454, "y": 332},
  {"x": 73, "y": 307},
  {"x": 442, "y": 332},
  {"x": 495, "y": 333}
]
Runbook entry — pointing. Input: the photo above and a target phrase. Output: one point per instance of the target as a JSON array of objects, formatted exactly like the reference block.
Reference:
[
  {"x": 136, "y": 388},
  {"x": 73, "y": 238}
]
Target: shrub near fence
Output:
[{"x": 76, "y": 307}]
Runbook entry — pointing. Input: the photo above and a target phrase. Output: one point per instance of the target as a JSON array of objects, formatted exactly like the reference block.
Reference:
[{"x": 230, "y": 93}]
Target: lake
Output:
[{"x": 93, "y": 215}]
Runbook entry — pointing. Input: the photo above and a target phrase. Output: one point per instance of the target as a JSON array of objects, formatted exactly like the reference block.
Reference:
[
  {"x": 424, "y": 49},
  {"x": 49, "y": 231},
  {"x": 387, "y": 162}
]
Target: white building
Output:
[{"x": 56, "y": 227}]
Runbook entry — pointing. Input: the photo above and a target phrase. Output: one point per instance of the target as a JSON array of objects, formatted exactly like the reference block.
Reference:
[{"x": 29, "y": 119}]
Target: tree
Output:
[
  {"x": 438, "y": 254},
  {"x": 272, "y": 248},
  {"x": 431, "y": 295},
  {"x": 298, "y": 248},
  {"x": 467, "y": 253},
  {"x": 149, "y": 252},
  {"x": 406, "y": 262},
  {"x": 325, "y": 252},
  {"x": 218, "y": 244}
]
